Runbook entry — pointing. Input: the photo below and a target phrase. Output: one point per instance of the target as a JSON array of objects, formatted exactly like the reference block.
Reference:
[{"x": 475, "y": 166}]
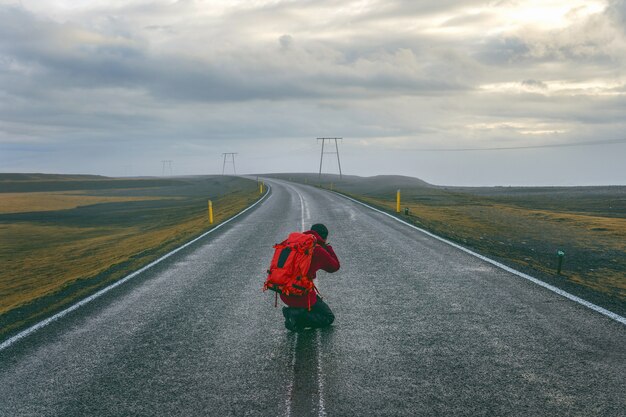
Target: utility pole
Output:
[
  {"x": 331, "y": 153},
  {"x": 167, "y": 167},
  {"x": 231, "y": 156}
]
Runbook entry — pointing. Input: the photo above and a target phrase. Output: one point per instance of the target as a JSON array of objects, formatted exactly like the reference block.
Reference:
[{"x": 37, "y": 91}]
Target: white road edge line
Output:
[
  {"x": 552, "y": 288},
  {"x": 101, "y": 292}
]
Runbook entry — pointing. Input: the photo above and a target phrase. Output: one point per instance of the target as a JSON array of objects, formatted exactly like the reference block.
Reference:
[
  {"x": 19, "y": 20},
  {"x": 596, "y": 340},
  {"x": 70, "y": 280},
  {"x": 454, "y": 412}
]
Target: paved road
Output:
[{"x": 422, "y": 329}]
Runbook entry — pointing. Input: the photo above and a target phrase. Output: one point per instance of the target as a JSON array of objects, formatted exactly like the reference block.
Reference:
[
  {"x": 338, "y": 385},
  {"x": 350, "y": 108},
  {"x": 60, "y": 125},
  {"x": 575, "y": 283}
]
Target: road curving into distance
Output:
[{"x": 422, "y": 328}]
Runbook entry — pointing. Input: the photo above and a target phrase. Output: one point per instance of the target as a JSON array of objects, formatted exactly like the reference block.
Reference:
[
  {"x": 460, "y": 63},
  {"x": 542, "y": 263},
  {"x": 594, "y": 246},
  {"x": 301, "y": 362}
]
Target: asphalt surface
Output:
[{"x": 422, "y": 329}]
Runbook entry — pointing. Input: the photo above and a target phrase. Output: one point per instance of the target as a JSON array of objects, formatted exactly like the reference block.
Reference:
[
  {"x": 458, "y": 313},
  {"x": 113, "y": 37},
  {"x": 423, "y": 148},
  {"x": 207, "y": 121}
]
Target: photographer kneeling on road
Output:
[{"x": 292, "y": 272}]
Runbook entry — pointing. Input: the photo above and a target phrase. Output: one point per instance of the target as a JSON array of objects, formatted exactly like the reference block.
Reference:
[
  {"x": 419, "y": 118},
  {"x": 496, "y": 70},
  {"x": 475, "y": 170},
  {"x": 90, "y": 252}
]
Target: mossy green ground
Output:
[{"x": 97, "y": 230}]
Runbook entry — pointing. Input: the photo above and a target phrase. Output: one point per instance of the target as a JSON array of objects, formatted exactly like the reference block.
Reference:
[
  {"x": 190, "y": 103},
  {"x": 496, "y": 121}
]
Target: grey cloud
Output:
[
  {"x": 617, "y": 12},
  {"x": 52, "y": 49},
  {"x": 66, "y": 62},
  {"x": 285, "y": 41},
  {"x": 467, "y": 19},
  {"x": 405, "y": 9},
  {"x": 592, "y": 40},
  {"x": 620, "y": 89},
  {"x": 502, "y": 51},
  {"x": 160, "y": 28},
  {"x": 534, "y": 84}
]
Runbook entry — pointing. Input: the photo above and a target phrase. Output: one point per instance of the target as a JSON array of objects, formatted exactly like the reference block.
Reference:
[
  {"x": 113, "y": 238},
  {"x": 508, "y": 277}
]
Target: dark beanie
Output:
[{"x": 321, "y": 230}]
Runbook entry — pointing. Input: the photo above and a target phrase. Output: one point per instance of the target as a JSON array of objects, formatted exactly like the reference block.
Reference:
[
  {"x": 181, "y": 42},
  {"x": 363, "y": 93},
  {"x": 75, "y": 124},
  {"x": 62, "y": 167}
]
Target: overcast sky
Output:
[{"x": 414, "y": 87}]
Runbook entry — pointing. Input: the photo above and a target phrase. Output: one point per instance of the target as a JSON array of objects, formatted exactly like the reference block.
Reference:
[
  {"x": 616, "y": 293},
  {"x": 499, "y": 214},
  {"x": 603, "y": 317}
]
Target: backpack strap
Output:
[{"x": 316, "y": 290}]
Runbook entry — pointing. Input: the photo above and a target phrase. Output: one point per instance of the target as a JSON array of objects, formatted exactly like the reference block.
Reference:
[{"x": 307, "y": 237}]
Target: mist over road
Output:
[{"x": 422, "y": 329}]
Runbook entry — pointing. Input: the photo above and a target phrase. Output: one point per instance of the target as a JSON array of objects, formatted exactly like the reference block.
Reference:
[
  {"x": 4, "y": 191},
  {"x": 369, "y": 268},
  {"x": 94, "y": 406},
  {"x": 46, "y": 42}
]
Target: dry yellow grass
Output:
[
  {"x": 49, "y": 201},
  {"x": 52, "y": 257},
  {"x": 607, "y": 231}
]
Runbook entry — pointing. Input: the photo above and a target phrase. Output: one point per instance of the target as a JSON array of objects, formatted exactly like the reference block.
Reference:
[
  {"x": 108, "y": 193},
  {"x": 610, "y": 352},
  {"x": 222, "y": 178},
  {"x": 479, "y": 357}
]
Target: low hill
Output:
[
  {"x": 47, "y": 177},
  {"x": 21, "y": 183},
  {"x": 370, "y": 186}
]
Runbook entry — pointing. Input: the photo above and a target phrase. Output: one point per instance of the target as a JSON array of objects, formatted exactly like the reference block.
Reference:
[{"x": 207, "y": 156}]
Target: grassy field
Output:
[
  {"x": 59, "y": 200},
  {"x": 63, "y": 237},
  {"x": 520, "y": 226}
]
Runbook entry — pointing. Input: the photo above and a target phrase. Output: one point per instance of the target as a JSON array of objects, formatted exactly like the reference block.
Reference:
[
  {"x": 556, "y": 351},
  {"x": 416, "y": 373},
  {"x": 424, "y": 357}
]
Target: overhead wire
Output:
[{"x": 504, "y": 148}]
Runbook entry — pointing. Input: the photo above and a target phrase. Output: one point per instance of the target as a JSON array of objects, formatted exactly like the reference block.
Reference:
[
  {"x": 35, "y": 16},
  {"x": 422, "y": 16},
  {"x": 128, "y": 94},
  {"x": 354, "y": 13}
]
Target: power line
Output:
[{"x": 555, "y": 145}]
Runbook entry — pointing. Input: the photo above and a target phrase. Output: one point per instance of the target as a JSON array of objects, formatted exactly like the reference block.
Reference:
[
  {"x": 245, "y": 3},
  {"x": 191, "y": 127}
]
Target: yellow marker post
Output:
[
  {"x": 398, "y": 202},
  {"x": 261, "y": 187},
  {"x": 210, "y": 212}
]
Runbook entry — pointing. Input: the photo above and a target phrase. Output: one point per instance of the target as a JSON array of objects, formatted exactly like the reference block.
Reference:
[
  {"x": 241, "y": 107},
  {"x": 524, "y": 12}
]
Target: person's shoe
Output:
[
  {"x": 292, "y": 324},
  {"x": 292, "y": 319}
]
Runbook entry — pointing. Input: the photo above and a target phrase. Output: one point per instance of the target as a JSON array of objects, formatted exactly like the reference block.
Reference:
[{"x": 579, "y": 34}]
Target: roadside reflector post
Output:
[
  {"x": 560, "y": 255},
  {"x": 398, "y": 202},
  {"x": 406, "y": 211},
  {"x": 210, "y": 212},
  {"x": 261, "y": 187}
]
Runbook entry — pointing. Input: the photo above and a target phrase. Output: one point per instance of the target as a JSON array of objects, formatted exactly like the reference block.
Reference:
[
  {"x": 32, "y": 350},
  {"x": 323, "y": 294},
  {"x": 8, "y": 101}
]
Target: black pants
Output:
[{"x": 319, "y": 316}]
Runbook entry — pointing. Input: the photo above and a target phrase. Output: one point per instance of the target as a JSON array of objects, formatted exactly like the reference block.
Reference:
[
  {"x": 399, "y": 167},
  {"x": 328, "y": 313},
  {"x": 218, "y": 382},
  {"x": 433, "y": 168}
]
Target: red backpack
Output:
[{"x": 290, "y": 264}]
